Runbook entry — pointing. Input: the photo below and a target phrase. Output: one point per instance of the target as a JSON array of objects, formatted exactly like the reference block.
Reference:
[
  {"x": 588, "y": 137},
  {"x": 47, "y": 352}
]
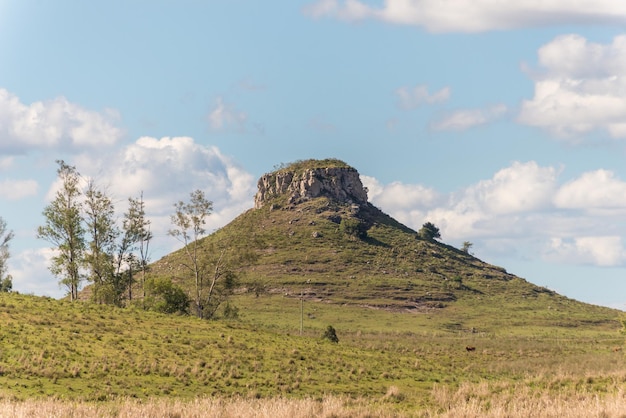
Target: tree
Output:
[
  {"x": 137, "y": 236},
  {"x": 466, "y": 246},
  {"x": 429, "y": 232},
  {"x": 220, "y": 283},
  {"x": 189, "y": 220},
  {"x": 63, "y": 229},
  {"x": 100, "y": 255},
  {"x": 6, "y": 283}
]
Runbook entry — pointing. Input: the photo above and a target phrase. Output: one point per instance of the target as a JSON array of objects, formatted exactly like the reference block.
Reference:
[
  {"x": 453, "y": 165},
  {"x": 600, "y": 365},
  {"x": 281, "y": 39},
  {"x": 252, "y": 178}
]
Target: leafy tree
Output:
[
  {"x": 330, "y": 334},
  {"x": 6, "y": 284},
  {"x": 162, "y": 295},
  {"x": 466, "y": 246},
  {"x": 99, "y": 219},
  {"x": 429, "y": 232},
  {"x": 189, "y": 220},
  {"x": 63, "y": 229},
  {"x": 137, "y": 237},
  {"x": 5, "y": 237}
]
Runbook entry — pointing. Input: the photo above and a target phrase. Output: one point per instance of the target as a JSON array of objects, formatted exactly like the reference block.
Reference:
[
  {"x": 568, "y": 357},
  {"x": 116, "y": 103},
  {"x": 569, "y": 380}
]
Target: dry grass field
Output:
[{"x": 469, "y": 401}]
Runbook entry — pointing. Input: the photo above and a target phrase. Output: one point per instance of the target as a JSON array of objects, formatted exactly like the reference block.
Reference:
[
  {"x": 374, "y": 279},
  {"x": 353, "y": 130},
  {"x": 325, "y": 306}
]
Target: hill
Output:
[
  {"x": 424, "y": 329},
  {"x": 313, "y": 235}
]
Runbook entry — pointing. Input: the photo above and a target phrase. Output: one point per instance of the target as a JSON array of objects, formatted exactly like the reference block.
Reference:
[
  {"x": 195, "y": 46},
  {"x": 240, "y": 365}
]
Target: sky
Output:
[{"x": 503, "y": 123}]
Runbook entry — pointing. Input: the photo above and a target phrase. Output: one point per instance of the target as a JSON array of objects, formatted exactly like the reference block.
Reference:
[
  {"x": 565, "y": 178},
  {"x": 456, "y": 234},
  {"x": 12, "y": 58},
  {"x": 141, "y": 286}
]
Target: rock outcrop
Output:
[{"x": 339, "y": 183}]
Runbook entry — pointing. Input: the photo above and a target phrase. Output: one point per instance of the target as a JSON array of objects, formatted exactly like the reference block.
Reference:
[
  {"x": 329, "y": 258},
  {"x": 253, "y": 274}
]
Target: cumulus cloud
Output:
[
  {"x": 474, "y": 16},
  {"x": 525, "y": 208},
  {"x": 465, "y": 119},
  {"x": 399, "y": 195},
  {"x": 594, "y": 189},
  {"x": 167, "y": 170},
  {"x": 55, "y": 123},
  {"x": 17, "y": 189},
  {"x": 606, "y": 251},
  {"x": 410, "y": 98},
  {"x": 521, "y": 187},
  {"x": 580, "y": 88},
  {"x": 225, "y": 116},
  {"x": 29, "y": 269}
]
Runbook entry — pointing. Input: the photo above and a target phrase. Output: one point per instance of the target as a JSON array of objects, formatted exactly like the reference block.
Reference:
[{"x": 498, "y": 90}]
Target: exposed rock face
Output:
[{"x": 342, "y": 184}]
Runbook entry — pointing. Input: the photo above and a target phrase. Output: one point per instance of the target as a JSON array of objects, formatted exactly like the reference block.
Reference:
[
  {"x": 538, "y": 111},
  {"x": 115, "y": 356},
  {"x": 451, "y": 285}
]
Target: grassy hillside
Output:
[{"x": 301, "y": 251}]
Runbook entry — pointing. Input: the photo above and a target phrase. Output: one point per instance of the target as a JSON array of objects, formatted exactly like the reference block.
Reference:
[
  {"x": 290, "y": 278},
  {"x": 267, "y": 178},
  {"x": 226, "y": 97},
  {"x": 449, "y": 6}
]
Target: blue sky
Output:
[{"x": 504, "y": 124}]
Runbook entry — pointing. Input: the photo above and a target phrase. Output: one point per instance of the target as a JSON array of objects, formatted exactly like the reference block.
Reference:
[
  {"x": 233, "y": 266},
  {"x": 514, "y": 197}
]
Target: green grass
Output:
[
  {"x": 301, "y": 251},
  {"x": 83, "y": 351}
]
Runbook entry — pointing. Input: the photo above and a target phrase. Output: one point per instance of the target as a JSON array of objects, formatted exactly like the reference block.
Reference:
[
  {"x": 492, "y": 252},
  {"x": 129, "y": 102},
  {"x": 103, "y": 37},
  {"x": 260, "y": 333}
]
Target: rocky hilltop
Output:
[{"x": 310, "y": 179}]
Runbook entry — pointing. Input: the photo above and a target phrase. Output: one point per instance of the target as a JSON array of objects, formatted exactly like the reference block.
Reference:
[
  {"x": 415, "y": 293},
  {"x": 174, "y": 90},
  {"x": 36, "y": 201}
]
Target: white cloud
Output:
[
  {"x": 30, "y": 273},
  {"x": 521, "y": 187},
  {"x": 465, "y": 119},
  {"x": 411, "y": 98},
  {"x": 226, "y": 116},
  {"x": 400, "y": 196},
  {"x": 594, "y": 189},
  {"x": 524, "y": 208},
  {"x": 483, "y": 209},
  {"x": 606, "y": 251},
  {"x": 582, "y": 88},
  {"x": 17, "y": 189},
  {"x": 167, "y": 170},
  {"x": 56, "y": 123},
  {"x": 474, "y": 16}
]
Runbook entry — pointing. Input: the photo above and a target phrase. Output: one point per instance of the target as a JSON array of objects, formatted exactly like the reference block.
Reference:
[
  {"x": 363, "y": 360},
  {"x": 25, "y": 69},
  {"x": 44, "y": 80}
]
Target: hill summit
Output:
[{"x": 311, "y": 179}]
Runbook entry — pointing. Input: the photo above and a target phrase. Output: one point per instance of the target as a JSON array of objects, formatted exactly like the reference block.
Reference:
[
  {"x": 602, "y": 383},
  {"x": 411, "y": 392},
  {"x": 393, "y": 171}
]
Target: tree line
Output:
[
  {"x": 90, "y": 245},
  {"x": 81, "y": 225}
]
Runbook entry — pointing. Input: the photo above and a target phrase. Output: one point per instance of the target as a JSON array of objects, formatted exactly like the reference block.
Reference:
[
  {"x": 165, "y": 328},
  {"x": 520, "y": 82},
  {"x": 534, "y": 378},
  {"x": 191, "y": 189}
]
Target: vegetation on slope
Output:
[
  {"x": 301, "y": 251},
  {"x": 300, "y": 166}
]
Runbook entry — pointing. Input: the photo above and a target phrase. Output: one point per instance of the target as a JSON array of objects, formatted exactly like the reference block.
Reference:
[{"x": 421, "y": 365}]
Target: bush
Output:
[
  {"x": 231, "y": 311},
  {"x": 164, "y": 296},
  {"x": 429, "y": 232},
  {"x": 330, "y": 334},
  {"x": 353, "y": 227}
]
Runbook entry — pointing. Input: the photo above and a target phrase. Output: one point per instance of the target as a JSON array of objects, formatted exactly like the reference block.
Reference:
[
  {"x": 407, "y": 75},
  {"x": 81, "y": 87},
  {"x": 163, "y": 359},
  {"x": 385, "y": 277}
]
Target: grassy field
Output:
[{"x": 117, "y": 362}]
